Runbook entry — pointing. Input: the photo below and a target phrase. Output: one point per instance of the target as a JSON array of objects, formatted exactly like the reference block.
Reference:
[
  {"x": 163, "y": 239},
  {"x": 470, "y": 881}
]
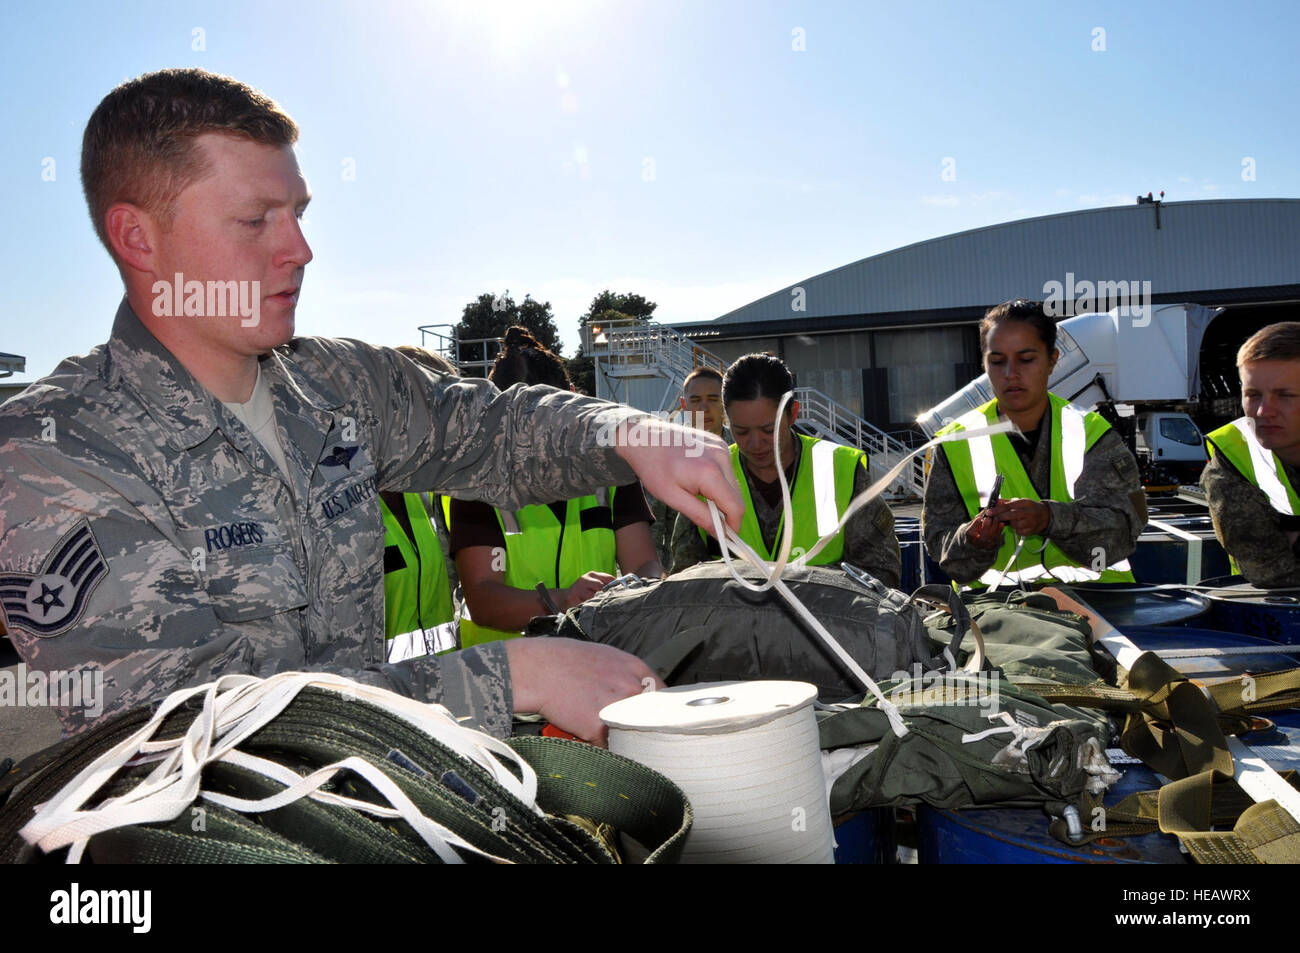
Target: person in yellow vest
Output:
[
  {"x": 419, "y": 614},
  {"x": 547, "y": 558},
  {"x": 823, "y": 477},
  {"x": 1255, "y": 462},
  {"x": 1071, "y": 504}
]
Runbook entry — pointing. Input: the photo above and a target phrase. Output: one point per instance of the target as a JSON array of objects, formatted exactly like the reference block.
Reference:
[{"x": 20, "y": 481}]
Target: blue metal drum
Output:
[
  {"x": 1178, "y": 545},
  {"x": 1124, "y": 604},
  {"x": 910, "y": 547},
  {"x": 1020, "y": 836},
  {"x": 1211, "y": 666},
  {"x": 1237, "y": 606},
  {"x": 865, "y": 837}
]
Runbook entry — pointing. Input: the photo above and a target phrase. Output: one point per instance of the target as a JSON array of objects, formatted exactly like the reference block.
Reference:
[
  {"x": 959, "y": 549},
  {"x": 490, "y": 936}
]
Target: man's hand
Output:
[
  {"x": 583, "y": 589},
  {"x": 677, "y": 465},
  {"x": 1026, "y": 517},
  {"x": 568, "y": 682}
]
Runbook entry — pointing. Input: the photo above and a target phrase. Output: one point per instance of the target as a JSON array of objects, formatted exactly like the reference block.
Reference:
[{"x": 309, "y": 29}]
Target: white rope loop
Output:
[
  {"x": 731, "y": 541},
  {"x": 235, "y": 707}
]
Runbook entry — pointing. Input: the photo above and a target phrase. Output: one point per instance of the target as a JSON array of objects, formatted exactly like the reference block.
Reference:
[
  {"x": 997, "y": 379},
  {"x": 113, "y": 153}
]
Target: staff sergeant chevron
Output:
[{"x": 50, "y": 602}]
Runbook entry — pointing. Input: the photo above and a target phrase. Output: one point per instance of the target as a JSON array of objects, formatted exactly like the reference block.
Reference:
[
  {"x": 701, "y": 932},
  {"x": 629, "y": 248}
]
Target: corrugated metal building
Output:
[{"x": 892, "y": 335}]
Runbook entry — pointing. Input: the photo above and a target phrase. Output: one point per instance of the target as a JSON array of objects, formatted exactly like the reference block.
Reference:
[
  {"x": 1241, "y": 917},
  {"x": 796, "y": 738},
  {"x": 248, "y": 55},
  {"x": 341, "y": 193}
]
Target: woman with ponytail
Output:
[{"x": 543, "y": 559}]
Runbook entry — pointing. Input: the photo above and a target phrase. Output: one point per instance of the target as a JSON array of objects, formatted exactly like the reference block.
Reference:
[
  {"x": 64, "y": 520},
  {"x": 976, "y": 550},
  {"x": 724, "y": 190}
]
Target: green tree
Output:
[
  {"x": 628, "y": 305},
  {"x": 605, "y": 307},
  {"x": 488, "y": 316}
]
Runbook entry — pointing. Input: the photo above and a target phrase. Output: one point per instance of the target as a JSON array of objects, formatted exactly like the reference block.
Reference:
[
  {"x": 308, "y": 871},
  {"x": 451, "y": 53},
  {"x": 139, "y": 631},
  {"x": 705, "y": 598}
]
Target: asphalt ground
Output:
[{"x": 24, "y": 729}]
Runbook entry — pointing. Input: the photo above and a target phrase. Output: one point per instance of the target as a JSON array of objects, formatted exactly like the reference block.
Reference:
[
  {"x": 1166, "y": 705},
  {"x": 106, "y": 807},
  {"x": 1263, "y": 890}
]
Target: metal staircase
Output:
[
  {"x": 830, "y": 420},
  {"x": 635, "y": 350},
  {"x": 632, "y": 350}
]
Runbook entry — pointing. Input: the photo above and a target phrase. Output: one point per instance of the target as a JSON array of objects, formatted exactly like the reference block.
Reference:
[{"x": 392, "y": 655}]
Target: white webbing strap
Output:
[
  {"x": 1028, "y": 574},
  {"x": 1265, "y": 465},
  {"x": 1258, "y": 779},
  {"x": 236, "y": 706}
]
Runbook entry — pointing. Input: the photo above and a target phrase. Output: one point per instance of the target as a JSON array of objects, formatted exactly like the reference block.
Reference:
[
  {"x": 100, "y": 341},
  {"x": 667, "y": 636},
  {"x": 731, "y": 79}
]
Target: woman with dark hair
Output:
[
  {"x": 1070, "y": 495},
  {"x": 823, "y": 478},
  {"x": 543, "y": 559}
]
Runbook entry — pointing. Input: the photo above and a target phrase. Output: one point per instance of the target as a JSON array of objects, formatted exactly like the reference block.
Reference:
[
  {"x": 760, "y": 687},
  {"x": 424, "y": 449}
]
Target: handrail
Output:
[{"x": 652, "y": 347}]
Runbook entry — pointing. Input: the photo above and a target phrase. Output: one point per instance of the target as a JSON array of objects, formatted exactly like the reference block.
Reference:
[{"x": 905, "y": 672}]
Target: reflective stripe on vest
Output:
[
  {"x": 1259, "y": 465},
  {"x": 975, "y": 465},
  {"x": 823, "y": 465},
  {"x": 822, "y": 491},
  {"x": 539, "y": 548},
  {"x": 421, "y": 642}
]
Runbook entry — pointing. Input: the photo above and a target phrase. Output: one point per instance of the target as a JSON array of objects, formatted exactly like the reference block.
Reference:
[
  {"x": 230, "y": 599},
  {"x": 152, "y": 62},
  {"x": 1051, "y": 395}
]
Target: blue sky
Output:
[{"x": 683, "y": 150}]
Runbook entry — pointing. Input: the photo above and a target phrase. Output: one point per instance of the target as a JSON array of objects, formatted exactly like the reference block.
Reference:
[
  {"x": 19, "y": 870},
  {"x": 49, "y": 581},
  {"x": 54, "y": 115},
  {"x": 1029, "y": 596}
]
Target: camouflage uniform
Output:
[
  {"x": 1249, "y": 528},
  {"x": 1109, "y": 509},
  {"x": 661, "y": 531},
  {"x": 869, "y": 539},
  {"x": 146, "y": 533}
]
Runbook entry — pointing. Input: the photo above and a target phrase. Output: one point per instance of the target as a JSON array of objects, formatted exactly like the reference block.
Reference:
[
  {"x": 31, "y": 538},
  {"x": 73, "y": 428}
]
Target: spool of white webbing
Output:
[{"x": 747, "y": 756}]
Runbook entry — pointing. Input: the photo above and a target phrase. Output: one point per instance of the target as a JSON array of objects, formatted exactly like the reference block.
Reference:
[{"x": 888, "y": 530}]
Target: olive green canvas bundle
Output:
[{"x": 349, "y": 819}]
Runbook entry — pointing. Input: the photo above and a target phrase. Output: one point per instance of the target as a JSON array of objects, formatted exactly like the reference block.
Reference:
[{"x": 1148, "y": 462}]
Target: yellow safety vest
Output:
[
  {"x": 418, "y": 610},
  {"x": 539, "y": 548},
  {"x": 1261, "y": 467},
  {"x": 976, "y": 463}
]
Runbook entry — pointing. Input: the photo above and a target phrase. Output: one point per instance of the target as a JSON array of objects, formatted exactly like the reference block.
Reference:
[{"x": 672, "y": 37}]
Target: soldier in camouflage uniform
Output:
[
  {"x": 1250, "y": 482},
  {"x": 157, "y": 527},
  {"x": 1098, "y": 527}
]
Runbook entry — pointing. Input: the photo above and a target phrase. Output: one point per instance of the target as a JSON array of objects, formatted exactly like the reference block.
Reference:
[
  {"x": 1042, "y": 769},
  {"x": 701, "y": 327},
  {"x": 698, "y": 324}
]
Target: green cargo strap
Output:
[
  {"x": 322, "y": 727},
  {"x": 1150, "y": 712},
  {"x": 576, "y": 778},
  {"x": 1189, "y": 808}
]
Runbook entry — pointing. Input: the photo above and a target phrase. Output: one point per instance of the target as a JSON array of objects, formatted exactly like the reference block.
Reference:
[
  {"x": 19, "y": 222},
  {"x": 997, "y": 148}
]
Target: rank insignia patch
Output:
[
  {"x": 340, "y": 457},
  {"x": 51, "y": 602}
]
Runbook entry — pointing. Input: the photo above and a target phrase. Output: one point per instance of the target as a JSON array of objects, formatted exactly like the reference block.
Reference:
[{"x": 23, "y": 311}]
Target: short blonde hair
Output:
[
  {"x": 1277, "y": 342},
  {"x": 139, "y": 143}
]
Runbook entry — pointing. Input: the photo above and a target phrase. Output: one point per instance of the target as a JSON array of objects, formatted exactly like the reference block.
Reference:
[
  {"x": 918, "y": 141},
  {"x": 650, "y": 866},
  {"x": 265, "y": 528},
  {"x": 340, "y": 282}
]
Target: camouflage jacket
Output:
[
  {"x": 146, "y": 535},
  {"x": 869, "y": 539},
  {"x": 1252, "y": 532},
  {"x": 661, "y": 531},
  {"x": 1108, "y": 513}
]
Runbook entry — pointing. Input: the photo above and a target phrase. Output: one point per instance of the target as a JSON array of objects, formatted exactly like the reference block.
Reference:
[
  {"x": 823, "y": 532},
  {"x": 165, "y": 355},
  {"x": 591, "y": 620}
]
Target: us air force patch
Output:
[{"x": 50, "y": 603}]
